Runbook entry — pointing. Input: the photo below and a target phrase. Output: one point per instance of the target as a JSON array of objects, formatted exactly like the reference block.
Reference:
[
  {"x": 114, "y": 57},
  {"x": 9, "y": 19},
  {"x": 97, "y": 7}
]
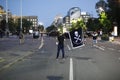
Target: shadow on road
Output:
[{"x": 55, "y": 78}]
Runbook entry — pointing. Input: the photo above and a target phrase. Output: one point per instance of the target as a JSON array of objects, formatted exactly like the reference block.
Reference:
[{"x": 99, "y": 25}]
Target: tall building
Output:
[
  {"x": 74, "y": 13},
  {"x": 33, "y": 19},
  {"x": 85, "y": 16},
  {"x": 2, "y": 13}
]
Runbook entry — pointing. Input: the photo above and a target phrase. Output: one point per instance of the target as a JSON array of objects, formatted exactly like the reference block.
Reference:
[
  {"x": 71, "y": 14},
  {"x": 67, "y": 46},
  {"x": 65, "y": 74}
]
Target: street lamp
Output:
[
  {"x": 21, "y": 15},
  {"x": 7, "y": 28},
  {"x": 21, "y": 36}
]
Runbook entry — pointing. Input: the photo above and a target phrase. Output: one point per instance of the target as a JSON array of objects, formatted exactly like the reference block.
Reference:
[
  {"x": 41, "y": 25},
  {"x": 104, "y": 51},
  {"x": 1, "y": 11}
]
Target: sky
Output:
[{"x": 47, "y": 10}]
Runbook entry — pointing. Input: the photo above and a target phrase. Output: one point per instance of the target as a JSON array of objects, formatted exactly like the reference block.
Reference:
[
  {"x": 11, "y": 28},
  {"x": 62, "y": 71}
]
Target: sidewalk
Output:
[
  {"x": 116, "y": 40},
  {"x": 11, "y": 51}
]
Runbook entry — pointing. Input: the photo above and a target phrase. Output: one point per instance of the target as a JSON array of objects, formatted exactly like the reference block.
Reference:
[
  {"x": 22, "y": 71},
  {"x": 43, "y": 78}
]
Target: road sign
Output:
[{"x": 76, "y": 37}]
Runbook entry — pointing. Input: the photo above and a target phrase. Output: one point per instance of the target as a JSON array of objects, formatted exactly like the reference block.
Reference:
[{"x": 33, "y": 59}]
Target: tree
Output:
[
  {"x": 114, "y": 11},
  {"x": 3, "y": 25},
  {"x": 11, "y": 25},
  {"x": 41, "y": 28},
  {"x": 51, "y": 28},
  {"x": 77, "y": 24},
  {"x": 105, "y": 22},
  {"x": 25, "y": 25},
  {"x": 101, "y": 5},
  {"x": 102, "y": 8},
  {"x": 93, "y": 24},
  {"x": 60, "y": 29}
]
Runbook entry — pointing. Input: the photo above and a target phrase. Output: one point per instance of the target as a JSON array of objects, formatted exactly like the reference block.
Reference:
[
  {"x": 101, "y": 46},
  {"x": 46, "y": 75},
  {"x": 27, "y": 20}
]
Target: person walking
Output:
[
  {"x": 60, "y": 45},
  {"x": 94, "y": 37},
  {"x": 21, "y": 37}
]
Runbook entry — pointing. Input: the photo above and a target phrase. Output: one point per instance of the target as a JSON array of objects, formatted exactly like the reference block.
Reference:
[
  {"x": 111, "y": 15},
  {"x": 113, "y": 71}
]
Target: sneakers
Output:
[
  {"x": 58, "y": 59},
  {"x": 63, "y": 58}
]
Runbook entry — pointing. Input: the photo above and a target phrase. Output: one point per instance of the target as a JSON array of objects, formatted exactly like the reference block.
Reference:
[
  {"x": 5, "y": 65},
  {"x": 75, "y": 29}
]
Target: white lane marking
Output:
[
  {"x": 41, "y": 45},
  {"x": 111, "y": 49},
  {"x": 99, "y": 47},
  {"x": 71, "y": 70},
  {"x": 102, "y": 46},
  {"x": 68, "y": 47}
]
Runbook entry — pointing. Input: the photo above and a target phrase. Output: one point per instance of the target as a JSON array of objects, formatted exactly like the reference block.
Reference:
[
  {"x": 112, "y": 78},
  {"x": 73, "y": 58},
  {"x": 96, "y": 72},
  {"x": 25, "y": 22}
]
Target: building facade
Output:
[
  {"x": 34, "y": 20},
  {"x": 2, "y": 13}
]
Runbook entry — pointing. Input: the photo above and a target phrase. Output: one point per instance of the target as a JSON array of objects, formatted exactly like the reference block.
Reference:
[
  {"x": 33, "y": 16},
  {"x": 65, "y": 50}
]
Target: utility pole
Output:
[
  {"x": 21, "y": 35},
  {"x": 7, "y": 28},
  {"x": 21, "y": 15}
]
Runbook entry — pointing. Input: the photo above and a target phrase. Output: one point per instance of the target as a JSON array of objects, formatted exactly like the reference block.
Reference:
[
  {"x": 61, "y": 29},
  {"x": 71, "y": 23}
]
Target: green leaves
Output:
[
  {"x": 105, "y": 22},
  {"x": 77, "y": 24}
]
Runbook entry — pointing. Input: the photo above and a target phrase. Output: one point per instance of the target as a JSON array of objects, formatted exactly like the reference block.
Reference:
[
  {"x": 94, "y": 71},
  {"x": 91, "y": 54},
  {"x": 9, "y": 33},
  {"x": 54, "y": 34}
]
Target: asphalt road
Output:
[{"x": 100, "y": 62}]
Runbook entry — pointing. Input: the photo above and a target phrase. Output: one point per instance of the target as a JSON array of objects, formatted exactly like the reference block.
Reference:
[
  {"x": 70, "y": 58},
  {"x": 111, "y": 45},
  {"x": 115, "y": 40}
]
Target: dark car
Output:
[{"x": 36, "y": 34}]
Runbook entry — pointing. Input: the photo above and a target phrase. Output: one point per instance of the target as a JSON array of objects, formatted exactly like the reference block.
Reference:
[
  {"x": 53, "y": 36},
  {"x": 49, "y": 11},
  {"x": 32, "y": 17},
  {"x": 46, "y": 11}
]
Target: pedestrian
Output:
[
  {"x": 7, "y": 33},
  {"x": 60, "y": 45},
  {"x": 21, "y": 37},
  {"x": 1, "y": 34},
  {"x": 101, "y": 32},
  {"x": 94, "y": 37}
]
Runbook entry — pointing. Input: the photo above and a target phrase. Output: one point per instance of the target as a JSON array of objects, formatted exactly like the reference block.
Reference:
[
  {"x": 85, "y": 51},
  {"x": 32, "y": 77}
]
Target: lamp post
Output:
[
  {"x": 21, "y": 15},
  {"x": 21, "y": 36},
  {"x": 7, "y": 28}
]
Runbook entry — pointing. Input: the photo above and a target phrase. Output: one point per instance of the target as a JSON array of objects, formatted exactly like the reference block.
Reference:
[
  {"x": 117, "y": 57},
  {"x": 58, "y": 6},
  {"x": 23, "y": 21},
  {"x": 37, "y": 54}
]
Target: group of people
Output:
[{"x": 60, "y": 43}]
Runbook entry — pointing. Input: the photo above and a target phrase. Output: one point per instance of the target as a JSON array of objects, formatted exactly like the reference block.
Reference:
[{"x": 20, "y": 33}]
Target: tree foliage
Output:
[
  {"x": 11, "y": 25},
  {"x": 25, "y": 25},
  {"x": 14, "y": 26},
  {"x": 93, "y": 24},
  {"x": 51, "y": 28},
  {"x": 104, "y": 17},
  {"x": 78, "y": 24},
  {"x": 114, "y": 12},
  {"x": 105, "y": 22},
  {"x": 3, "y": 25},
  {"x": 41, "y": 28}
]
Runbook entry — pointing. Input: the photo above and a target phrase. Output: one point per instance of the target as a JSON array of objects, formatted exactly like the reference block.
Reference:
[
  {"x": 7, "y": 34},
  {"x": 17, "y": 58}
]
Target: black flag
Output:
[{"x": 76, "y": 37}]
